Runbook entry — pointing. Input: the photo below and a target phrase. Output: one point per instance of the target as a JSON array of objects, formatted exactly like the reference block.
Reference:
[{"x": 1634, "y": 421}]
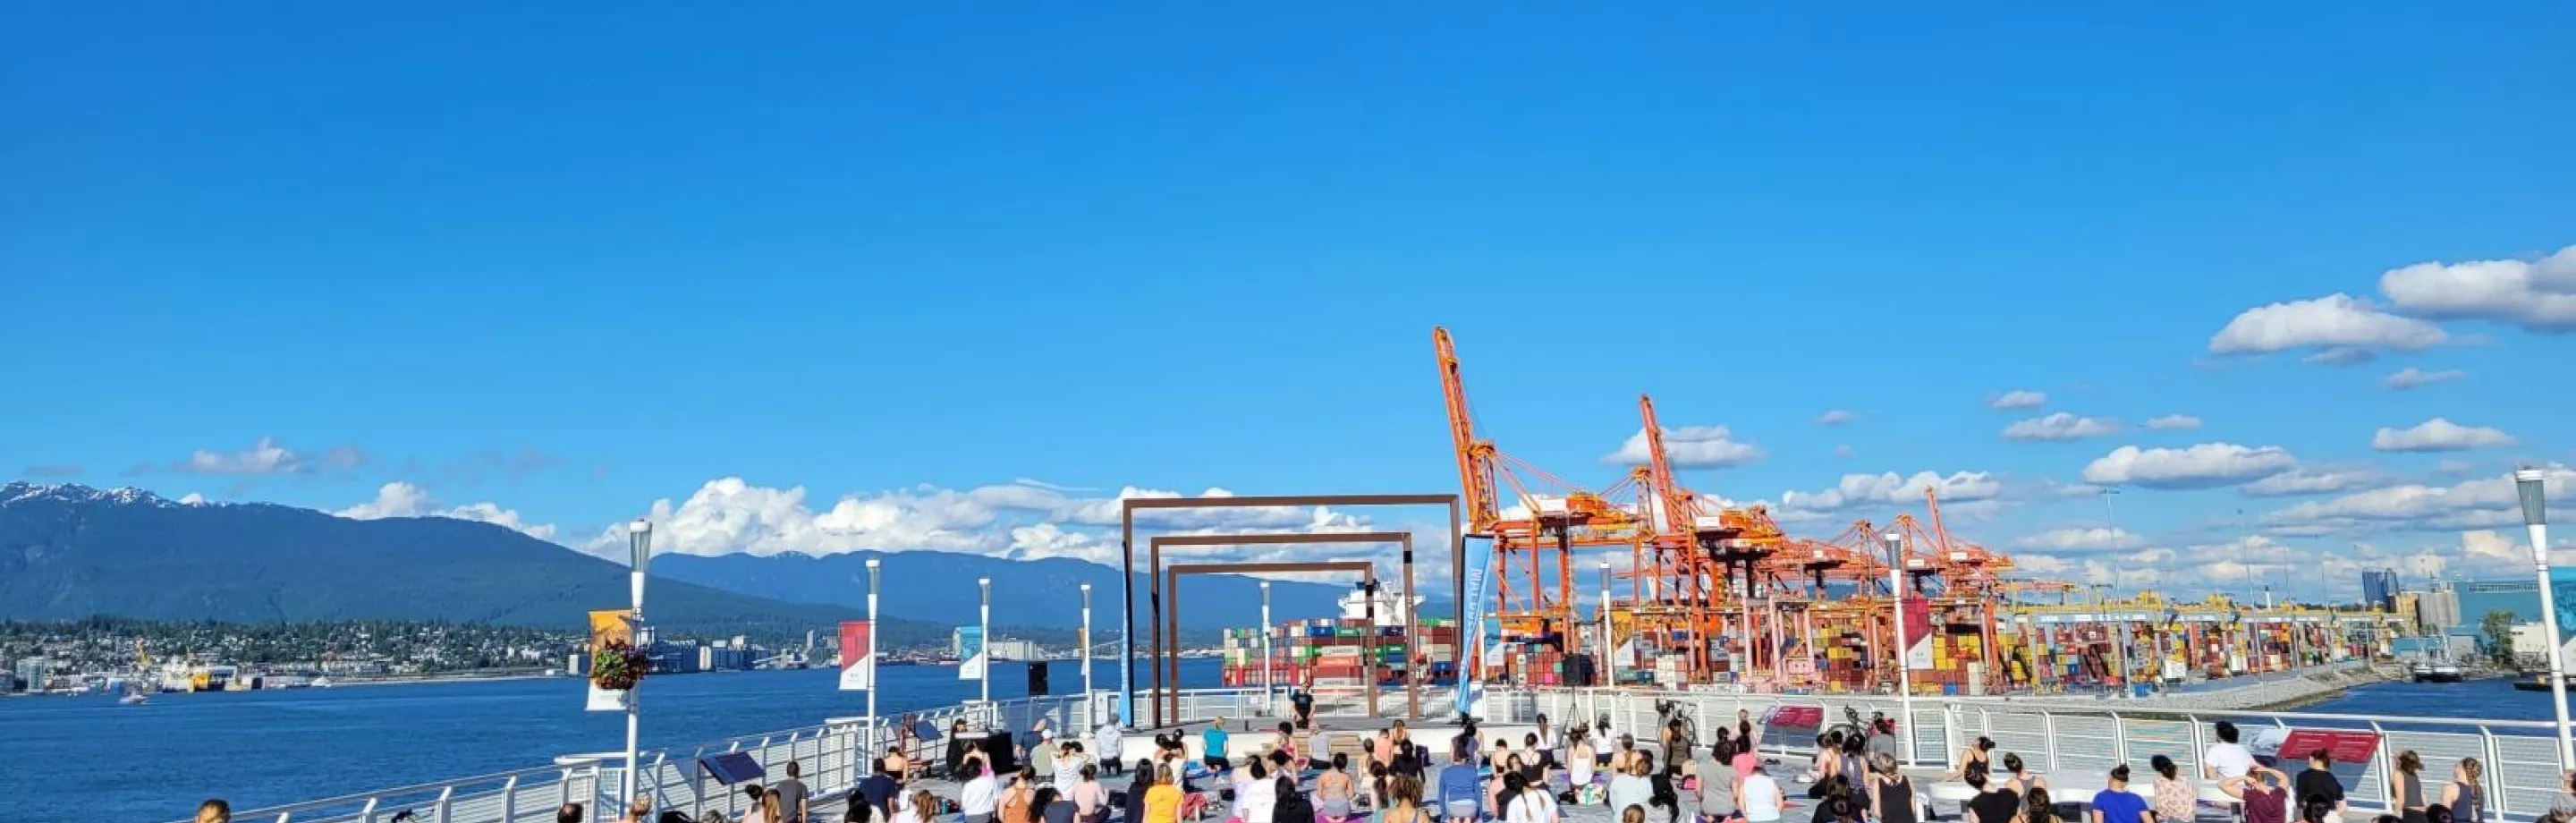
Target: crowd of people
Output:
[{"x": 1298, "y": 774}]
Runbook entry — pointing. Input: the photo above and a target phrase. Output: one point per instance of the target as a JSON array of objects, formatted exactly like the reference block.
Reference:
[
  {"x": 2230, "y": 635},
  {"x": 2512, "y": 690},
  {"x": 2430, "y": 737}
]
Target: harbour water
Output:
[{"x": 87, "y": 759}]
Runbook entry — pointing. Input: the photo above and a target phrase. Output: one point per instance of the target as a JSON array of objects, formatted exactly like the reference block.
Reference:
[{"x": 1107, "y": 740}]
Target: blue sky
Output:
[{"x": 567, "y": 261}]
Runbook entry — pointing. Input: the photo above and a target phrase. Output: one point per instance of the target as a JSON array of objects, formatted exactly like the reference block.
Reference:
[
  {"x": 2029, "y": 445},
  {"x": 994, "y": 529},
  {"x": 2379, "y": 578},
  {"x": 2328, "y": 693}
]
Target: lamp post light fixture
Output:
[
  {"x": 984, "y": 637},
  {"x": 639, "y": 543},
  {"x": 1089, "y": 717},
  {"x": 2531, "y": 485},
  {"x": 1266, "y": 685},
  {"x": 1896, "y": 617}
]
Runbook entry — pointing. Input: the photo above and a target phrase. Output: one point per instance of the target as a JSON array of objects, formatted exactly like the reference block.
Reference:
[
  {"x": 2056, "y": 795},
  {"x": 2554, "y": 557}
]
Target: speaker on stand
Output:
[{"x": 1037, "y": 678}]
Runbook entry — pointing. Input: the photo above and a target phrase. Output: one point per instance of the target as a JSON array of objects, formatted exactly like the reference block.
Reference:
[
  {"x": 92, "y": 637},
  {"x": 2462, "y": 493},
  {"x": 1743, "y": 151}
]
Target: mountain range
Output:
[{"x": 70, "y": 551}]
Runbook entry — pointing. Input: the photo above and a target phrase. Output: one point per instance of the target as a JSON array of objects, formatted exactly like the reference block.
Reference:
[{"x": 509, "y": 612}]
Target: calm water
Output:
[{"x": 87, "y": 759}]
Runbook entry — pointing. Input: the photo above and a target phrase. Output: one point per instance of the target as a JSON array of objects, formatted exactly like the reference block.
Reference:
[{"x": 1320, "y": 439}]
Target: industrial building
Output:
[{"x": 2379, "y": 588}]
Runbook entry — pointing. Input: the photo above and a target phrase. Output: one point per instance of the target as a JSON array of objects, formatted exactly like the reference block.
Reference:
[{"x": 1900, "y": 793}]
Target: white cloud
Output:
[
  {"x": 2538, "y": 295},
  {"x": 2206, "y": 465},
  {"x": 2080, "y": 539},
  {"x": 2313, "y": 481},
  {"x": 2018, "y": 399},
  {"x": 2344, "y": 327},
  {"x": 399, "y": 499},
  {"x": 2061, "y": 426},
  {"x": 1689, "y": 447},
  {"x": 731, "y": 515},
  {"x": 2487, "y": 502},
  {"x": 266, "y": 457},
  {"x": 2412, "y": 377},
  {"x": 2438, "y": 435},
  {"x": 1844, "y": 451},
  {"x": 1836, "y": 417},
  {"x": 1893, "y": 489},
  {"x": 2173, "y": 422}
]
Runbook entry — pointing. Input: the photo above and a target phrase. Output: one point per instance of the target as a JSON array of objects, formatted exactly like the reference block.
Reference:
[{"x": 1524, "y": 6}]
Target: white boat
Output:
[{"x": 320, "y": 682}]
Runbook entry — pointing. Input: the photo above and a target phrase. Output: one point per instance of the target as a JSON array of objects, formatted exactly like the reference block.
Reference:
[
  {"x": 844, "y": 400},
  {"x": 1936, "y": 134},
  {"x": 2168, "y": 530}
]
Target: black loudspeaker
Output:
[
  {"x": 999, "y": 751},
  {"x": 1578, "y": 670},
  {"x": 1037, "y": 679}
]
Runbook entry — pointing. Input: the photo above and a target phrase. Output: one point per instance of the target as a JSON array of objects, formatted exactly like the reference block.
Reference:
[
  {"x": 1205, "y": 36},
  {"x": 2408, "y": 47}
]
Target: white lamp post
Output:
[
  {"x": 2529, "y": 483},
  {"x": 984, "y": 634},
  {"x": 1904, "y": 667},
  {"x": 1265, "y": 642},
  {"x": 873, "y": 685},
  {"x": 1609, "y": 672},
  {"x": 639, "y": 541},
  {"x": 1088, "y": 717}
]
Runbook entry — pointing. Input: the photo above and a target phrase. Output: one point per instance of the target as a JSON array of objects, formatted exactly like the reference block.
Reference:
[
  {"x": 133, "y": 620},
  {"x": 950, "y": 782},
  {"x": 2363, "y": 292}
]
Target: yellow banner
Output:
[{"x": 611, "y": 625}]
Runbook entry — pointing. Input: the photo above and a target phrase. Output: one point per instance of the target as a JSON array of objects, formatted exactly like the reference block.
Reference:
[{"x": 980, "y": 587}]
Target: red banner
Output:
[
  {"x": 858, "y": 668},
  {"x": 2343, "y": 746}
]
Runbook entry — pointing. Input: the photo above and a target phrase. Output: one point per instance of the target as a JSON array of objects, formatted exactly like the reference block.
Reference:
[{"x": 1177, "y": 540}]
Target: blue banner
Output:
[
  {"x": 1471, "y": 618},
  {"x": 970, "y": 652}
]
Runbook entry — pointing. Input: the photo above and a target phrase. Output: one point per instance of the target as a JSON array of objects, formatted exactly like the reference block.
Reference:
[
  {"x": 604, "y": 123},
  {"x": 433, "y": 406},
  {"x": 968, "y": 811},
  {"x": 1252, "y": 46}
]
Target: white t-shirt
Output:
[
  {"x": 2228, "y": 760},
  {"x": 1532, "y": 806},
  {"x": 1761, "y": 798},
  {"x": 1254, "y": 800},
  {"x": 979, "y": 796}
]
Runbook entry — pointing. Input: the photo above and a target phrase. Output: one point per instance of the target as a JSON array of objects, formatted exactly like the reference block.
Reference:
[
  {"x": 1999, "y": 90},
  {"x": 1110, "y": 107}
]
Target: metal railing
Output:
[
  {"x": 2521, "y": 757},
  {"x": 835, "y": 755}
]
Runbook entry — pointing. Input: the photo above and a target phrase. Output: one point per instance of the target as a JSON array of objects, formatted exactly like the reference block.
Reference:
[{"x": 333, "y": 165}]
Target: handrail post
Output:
[
  {"x": 445, "y": 794},
  {"x": 2120, "y": 733},
  {"x": 2048, "y": 729},
  {"x": 2387, "y": 770},
  {"x": 2494, "y": 789},
  {"x": 2199, "y": 742},
  {"x": 368, "y": 814},
  {"x": 510, "y": 800}
]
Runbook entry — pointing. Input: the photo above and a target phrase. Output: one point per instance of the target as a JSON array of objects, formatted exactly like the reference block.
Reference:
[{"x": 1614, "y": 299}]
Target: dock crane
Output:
[{"x": 1535, "y": 539}]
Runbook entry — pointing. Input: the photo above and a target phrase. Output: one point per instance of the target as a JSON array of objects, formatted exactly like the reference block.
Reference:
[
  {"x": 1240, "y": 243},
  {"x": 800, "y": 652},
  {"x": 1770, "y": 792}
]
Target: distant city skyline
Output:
[{"x": 833, "y": 279}]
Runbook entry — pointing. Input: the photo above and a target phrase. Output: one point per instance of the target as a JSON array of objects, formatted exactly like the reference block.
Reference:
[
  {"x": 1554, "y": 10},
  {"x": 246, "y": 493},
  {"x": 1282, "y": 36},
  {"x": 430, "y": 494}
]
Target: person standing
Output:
[
  {"x": 2318, "y": 781},
  {"x": 2116, "y": 804},
  {"x": 2225, "y": 758},
  {"x": 2406, "y": 787},
  {"x": 2176, "y": 800},
  {"x": 568, "y": 813},
  {"x": 215, "y": 811},
  {"x": 1760, "y": 798},
  {"x": 2467, "y": 793},
  {"x": 2263, "y": 791},
  {"x": 637, "y": 811},
  {"x": 791, "y": 795},
  {"x": 764, "y": 806}
]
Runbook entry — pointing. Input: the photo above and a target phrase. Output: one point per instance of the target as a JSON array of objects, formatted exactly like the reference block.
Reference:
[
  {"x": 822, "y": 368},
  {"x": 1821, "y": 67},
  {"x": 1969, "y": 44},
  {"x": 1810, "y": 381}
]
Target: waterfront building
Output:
[
  {"x": 31, "y": 673},
  {"x": 2518, "y": 596},
  {"x": 1014, "y": 650},
  {"x": 2437, "y": 611},
  {"x": 2379, "y": 588}
]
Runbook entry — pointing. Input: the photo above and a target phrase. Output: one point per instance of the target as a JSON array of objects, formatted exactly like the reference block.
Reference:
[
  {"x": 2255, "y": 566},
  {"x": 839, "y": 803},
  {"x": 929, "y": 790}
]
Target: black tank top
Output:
[{"x": 1896, "y": 801}]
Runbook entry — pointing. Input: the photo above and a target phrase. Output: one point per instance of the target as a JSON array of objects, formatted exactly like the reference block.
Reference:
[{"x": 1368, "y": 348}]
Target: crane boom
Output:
[
  {"x": 1679, "y": 512},
  {"x": 1475, "y": 458}
]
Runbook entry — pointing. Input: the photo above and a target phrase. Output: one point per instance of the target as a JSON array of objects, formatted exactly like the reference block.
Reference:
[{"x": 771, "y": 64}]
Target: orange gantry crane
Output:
[
  {"x": 1534, "y": 540},
  {"x": 1699, "y": 556}
]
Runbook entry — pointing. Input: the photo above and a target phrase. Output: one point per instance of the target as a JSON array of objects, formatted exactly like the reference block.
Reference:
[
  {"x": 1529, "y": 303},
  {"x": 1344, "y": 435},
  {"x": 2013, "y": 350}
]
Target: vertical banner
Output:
[
  {"x": 858, "y": 668},
  {"x": 608, "y": 626},
  {"x": 1471, "y": 619},
  {"x": 1918, "y": 633},
  {"x": 970, "y": 652}
]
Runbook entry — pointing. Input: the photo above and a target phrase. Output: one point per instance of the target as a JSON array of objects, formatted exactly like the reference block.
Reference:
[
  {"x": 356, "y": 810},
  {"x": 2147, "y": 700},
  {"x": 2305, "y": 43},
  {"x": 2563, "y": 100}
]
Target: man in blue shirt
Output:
[
  {"x": 878, "y": 790},
  {"x": 2117, "y": 804}
]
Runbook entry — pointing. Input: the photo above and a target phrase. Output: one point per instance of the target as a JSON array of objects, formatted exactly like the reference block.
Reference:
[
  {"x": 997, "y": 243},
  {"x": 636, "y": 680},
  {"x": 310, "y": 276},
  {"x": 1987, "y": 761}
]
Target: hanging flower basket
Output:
[{"x": 618, "y": 665}]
